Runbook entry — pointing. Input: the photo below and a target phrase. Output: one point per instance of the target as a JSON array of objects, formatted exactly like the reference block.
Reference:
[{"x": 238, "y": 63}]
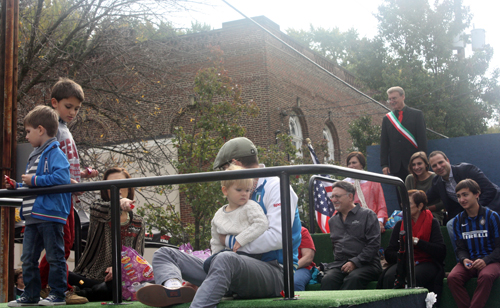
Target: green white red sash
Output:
[{"x": 401, "y": 129}]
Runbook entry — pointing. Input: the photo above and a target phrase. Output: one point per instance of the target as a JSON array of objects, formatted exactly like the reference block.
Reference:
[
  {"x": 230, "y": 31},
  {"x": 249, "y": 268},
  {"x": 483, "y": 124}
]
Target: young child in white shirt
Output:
[{"x": 242, "y": 219}]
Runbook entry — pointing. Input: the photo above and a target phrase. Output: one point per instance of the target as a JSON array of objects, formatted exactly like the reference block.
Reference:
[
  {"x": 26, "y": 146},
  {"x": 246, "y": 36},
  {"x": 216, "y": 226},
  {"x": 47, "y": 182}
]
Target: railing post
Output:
[
  {"x": 286, "y": 235},
  {"x": 312, "y": 212},
  {"x": 117, "y": 244},
  {"x": 410, "y": 266}
]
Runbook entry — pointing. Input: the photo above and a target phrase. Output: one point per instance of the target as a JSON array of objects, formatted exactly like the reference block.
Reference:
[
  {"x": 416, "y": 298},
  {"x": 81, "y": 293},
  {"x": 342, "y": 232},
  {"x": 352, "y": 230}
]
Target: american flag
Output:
[{"x": 322, "y": 203}]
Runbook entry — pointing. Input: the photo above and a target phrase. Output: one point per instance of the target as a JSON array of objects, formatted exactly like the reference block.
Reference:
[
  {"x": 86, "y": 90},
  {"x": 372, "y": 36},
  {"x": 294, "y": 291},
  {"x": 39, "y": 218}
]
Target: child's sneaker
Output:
[
  {"x": 159, "y": 296},
  {"x": 52, "y": 300},
  {"x": 23, "y": 301}
]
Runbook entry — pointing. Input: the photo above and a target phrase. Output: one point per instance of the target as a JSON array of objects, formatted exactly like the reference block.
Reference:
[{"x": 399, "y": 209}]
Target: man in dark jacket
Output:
[
  {"x": 355, "y": 235},
  {"x": 444, "y": 184},
  {"x": 403, "y": 133}
]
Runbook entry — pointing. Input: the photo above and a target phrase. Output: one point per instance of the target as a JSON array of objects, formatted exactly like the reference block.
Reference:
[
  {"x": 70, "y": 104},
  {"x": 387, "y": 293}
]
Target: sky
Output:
[{"x": 357, "y": 14}]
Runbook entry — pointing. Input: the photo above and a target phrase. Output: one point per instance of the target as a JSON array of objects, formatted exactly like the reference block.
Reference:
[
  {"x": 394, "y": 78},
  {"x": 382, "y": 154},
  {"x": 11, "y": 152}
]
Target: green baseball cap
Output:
[{"x": 235, "y": 148}]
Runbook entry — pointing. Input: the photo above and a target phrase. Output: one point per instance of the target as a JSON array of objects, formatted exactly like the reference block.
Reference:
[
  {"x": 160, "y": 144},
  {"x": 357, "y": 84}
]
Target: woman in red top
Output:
[
  {"x": 368, "y": 194},
  {"x": 428, "y": 247}
]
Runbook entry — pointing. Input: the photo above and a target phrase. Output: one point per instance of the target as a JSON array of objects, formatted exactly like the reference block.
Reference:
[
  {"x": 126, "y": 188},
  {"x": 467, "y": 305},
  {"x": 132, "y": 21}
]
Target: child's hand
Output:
[
  {"x": 76, "y": 193},
  {"x": 10, "y": 183},
  {"x": 88, "y": 173},
  {"x": 126, "y": 205},
  {"x": 27, "y": 179},
  {"x": 236, "y": 246}
]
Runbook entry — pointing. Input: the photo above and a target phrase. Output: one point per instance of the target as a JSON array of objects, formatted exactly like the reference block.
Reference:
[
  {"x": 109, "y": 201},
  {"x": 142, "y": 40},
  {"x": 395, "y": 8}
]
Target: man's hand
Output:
[
  {"x": 479, "y": 264},
  {"x": 27, "y": 179},
  {"x": 109, "y": 276},
  {"x": 386, "y": 171},
  {"x": 222, "y": 239},
  {"x": 468, "y": 263},
  {"x": 236, "y": 246},
  {"x": 348, "y": 267}
]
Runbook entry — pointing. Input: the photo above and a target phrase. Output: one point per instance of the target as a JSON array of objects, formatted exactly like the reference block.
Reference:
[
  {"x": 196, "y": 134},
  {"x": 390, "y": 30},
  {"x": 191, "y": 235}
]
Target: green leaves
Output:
[{"x": 414, "y": 50}]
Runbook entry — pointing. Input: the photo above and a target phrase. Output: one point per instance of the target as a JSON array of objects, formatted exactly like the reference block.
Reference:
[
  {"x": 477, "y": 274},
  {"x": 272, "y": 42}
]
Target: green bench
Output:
[{"x": 324, "y": 253}]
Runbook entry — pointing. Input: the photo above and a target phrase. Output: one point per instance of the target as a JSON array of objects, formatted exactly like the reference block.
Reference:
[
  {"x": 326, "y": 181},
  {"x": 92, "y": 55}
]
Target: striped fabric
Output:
[
  {"x": 30, "y": 200},
  {"x": 479, "y": 233}
]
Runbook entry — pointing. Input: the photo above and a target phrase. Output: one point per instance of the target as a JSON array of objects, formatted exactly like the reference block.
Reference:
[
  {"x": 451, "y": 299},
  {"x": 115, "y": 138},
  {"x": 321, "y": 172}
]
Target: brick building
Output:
[{"x": 293, "y": 95}]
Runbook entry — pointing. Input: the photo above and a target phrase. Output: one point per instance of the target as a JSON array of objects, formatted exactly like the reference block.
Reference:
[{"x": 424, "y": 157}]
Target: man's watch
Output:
[{"x": 415, "y": 240}]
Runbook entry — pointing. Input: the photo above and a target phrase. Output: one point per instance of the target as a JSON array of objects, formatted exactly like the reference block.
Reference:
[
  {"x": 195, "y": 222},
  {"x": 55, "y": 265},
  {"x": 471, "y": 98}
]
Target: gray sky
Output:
[{"x": 356, "y": 14}]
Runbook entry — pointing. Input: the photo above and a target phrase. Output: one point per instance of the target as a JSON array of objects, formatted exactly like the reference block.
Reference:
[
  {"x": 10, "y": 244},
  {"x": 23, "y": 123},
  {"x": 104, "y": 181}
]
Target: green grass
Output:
[{"x": 307, "y": 299}]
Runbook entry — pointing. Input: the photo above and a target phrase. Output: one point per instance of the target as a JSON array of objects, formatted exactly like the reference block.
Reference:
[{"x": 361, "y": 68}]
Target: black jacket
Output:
[
  {"x": 490, "y": 192},
  {"x": 395, "y": 149}
]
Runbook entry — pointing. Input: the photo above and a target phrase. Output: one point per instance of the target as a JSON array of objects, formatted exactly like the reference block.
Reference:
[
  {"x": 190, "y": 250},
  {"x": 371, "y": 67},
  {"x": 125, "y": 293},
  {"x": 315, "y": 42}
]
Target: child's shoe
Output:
[
  {"x": 45, "y": 292},
  {"x": 159, "y": 296},
  {"x": 52, "y": 300},
  {"x": 23, "y": 301},
  {"x": 74, "y": 299}
]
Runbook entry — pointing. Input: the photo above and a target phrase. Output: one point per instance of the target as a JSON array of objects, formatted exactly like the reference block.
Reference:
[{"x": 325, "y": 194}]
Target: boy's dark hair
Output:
[
  {"x": 17, "y": 273},
  {"x": 43, "y": 116},
  {"x": 104, "y": 193},
  {"x": 66, "y": 88},
  {"x": 472, "y": 185},
  {"x": 348, "y": 187}
]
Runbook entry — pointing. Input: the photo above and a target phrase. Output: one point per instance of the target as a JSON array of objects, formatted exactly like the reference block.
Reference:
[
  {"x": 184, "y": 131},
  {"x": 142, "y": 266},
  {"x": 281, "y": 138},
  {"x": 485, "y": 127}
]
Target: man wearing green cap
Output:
[{"x": 229, "y": 272}]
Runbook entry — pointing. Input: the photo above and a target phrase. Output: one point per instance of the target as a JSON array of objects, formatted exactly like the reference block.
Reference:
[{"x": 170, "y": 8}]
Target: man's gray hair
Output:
[
  {"x": 348, "y": 187},
  {"x": 396, "y": 89}
]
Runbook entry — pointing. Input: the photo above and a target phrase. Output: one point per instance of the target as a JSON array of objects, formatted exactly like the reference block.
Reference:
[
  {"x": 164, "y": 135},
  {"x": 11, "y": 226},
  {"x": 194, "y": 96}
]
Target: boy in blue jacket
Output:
[{"x": 45, "y": 215}]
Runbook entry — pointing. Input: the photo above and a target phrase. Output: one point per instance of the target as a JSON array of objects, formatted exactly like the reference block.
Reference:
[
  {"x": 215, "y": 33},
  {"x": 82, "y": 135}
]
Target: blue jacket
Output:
[{"x": 53, "y": 169}]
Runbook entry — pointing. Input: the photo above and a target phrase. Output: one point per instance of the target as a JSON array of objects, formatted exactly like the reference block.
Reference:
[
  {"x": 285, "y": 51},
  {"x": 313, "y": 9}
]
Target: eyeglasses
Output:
[{"x": 338, "y": 196}]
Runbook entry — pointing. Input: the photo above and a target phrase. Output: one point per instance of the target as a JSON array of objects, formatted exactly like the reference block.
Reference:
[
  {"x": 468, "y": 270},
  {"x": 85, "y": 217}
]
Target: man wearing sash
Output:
[{"x": 403, "y": 133}]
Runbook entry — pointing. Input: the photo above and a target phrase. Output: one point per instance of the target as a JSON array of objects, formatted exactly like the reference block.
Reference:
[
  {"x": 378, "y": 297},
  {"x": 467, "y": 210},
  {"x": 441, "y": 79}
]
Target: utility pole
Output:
[
  {"x": 458, "y": 22},
  {"x": 8, "y": 94}
]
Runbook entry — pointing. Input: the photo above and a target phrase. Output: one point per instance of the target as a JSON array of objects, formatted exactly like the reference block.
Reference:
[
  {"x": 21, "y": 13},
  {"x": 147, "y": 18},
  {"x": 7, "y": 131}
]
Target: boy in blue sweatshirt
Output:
[{"x": 45, "y": 215}]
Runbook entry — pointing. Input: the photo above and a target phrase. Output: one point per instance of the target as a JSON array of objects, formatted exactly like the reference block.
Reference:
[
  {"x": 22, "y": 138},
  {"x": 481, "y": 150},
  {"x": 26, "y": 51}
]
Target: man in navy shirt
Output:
[{"x": 477, "y": 237}]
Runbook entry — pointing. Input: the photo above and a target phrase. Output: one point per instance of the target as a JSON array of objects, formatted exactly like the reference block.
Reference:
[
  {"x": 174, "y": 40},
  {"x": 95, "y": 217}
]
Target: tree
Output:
[
  {"x": 119, "y": 52},
  {"x": 363, "y": 134},
  {"x": 414, "y": 49},
  {"x": 64, "y": 33}
]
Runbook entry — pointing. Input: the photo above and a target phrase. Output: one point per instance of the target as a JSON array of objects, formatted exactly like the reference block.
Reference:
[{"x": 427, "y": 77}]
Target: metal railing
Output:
[
  {"x": 283, "y": 172},
  {"x": 403, "y": 193}
]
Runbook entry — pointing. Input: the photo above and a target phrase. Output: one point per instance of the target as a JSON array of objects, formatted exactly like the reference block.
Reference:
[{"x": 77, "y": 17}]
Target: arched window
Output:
[
  {"x": 296, "y": 133},
  {"x": 327, "y": 135}
]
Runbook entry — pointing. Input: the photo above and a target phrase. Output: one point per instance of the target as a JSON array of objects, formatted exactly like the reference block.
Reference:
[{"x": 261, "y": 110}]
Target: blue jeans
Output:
[
  {"x": 48, "y": 235},
  {"x": 301, "y": 279}
]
